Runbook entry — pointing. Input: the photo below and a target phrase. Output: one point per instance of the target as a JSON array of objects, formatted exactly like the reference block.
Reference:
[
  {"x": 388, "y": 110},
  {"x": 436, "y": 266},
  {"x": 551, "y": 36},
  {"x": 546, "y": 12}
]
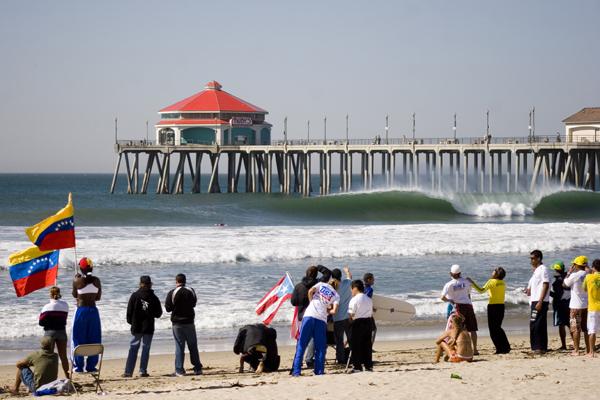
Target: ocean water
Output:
[{"x": 234, "y": 247}]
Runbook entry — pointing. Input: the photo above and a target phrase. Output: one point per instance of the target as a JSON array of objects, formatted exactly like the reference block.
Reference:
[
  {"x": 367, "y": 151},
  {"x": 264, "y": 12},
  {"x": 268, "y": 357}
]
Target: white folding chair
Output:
[{"x": 87, "y": 350}]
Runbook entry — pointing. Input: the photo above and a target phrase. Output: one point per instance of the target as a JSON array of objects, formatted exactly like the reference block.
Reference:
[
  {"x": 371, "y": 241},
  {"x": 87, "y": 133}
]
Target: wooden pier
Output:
[{"x": 500, "y": 164}]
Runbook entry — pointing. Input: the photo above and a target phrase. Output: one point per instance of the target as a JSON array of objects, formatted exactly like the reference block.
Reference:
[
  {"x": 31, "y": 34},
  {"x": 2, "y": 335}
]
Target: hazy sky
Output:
[{"x": 70, "y": 67}]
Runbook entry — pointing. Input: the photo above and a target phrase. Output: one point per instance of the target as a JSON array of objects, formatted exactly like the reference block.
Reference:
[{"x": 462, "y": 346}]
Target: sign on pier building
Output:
[
  {"x": 583, "y": 126},
  {"x": 213, "y": 116}
]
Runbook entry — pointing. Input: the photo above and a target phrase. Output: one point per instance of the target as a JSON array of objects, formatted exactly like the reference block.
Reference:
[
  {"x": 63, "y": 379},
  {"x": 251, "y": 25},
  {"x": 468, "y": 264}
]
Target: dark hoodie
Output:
[
  {"x": 300, "y": 294},
  {"x": 142, "y": 309}
]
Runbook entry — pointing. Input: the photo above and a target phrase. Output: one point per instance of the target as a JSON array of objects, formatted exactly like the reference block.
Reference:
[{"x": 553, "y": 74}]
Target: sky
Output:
[{"x": 69, "y": 68}]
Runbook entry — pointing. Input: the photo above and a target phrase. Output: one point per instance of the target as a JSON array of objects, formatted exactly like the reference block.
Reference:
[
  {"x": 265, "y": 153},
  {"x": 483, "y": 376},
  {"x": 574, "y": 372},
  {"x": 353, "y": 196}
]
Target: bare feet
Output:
[
  {"x": 575, "y": 353},
  {"x": 13, "y": 391},
  {"x": 591, "y": 354},
  {"x": 260, "y": 368}
]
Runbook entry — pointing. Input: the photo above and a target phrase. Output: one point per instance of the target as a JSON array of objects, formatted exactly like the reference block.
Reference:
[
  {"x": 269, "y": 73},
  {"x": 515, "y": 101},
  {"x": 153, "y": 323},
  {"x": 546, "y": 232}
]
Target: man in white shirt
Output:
[
  {"x": 538, "y": 290},
  {"x": 324, "y": 301},
  {"x": 361, "y": 313},
  {"x": 579, "y": 302},
  {"x": 458, "y": 293}
]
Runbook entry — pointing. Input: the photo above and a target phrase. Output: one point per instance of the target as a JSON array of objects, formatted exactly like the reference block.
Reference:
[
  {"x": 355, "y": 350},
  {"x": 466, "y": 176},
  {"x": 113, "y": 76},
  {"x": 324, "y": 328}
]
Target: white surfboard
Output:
[{"x": 392, "y": 310}]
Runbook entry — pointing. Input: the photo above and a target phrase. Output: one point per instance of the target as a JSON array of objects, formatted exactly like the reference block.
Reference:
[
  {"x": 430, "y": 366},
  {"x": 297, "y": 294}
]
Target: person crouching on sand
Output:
[
  {"x": 458, "y": 346},
  {"x": 324, "y": 301}
]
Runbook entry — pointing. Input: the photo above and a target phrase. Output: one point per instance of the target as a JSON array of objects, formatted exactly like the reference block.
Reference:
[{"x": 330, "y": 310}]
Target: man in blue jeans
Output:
[
  {"x": 45, "y": 368},
  {"x": 142, "y": 309},
  {"x": 180, "y": 303}
]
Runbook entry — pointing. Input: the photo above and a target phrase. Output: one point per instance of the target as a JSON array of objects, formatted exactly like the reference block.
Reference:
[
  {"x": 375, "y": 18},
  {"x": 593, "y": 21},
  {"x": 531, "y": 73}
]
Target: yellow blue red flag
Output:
[
  {"x": 33, "y": 269},
  {"x": 55, "y": 232}
]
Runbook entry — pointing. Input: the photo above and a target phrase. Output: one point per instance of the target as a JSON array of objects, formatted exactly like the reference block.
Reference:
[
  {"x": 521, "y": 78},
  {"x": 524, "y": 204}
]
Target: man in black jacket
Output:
[
  {"x": 180, "y": 303},
  {"x": 300, "y": 299},
  {"x": 142, "y": 309},
  {"x": 257, "y": 345}
]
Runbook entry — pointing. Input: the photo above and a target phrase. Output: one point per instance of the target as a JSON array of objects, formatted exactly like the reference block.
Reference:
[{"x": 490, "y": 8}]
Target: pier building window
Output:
[
  {"x": 166, "y": 136},
  {"x": 171, "y": 116},
  {"x": 198, "y": 135}
]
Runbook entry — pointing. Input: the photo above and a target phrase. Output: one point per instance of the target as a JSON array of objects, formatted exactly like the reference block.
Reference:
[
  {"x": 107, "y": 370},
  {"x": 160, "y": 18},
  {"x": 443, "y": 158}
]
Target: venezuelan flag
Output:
[
  {"x": 55, "y": 232},
  {"x": 33, "y": 269}
]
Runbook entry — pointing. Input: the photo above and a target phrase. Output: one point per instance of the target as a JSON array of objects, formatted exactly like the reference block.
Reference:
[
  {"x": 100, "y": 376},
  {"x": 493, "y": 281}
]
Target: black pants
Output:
[
  {"x": 538, "y": 327},
  {"x": 339, "y": 329},
  {"x": 497, "y": 334},
  {"x": 360, "y": 343}
]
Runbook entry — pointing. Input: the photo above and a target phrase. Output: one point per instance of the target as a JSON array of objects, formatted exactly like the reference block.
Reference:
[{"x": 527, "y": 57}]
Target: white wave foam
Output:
[{"x": 213, "y": 245}]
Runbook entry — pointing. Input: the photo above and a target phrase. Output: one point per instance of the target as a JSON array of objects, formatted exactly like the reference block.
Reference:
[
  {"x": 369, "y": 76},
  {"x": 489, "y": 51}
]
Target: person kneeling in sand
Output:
[{"x": 456, "y": 342}]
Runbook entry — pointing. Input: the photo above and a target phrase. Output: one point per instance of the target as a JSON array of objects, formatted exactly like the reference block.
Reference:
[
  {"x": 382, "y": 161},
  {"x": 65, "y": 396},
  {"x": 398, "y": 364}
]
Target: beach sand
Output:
[{"x": 403, "y": 369}]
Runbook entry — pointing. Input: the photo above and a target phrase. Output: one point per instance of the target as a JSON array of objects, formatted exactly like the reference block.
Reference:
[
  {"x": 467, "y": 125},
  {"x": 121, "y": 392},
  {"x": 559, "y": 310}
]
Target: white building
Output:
[{"x": 583, "y": 126}]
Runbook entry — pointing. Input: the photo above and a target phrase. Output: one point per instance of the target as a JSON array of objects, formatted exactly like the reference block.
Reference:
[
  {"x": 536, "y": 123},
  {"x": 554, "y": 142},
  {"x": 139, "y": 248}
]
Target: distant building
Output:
[
  {"x": 583, "y": 126},
  {"x": 213, "y": 116}
]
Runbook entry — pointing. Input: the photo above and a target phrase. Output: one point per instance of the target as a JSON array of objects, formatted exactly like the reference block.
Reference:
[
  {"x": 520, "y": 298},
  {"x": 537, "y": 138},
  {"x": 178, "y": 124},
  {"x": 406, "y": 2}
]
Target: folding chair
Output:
[{"x": 87, "y": 350}]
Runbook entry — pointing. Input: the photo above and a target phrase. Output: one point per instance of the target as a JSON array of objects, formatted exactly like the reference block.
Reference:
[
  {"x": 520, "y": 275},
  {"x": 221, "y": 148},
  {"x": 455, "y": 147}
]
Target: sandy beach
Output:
[{"x": 402, "y": 368}]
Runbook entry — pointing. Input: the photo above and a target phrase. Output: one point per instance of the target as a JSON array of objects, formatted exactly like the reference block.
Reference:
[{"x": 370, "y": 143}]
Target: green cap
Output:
[{"x": 558, "y": 266}]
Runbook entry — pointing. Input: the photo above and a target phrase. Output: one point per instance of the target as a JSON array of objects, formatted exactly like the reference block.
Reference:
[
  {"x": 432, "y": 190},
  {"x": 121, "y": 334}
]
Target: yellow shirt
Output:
[
  {"x": 592, "y": 285},
  {"x": 496, "y": 287}
]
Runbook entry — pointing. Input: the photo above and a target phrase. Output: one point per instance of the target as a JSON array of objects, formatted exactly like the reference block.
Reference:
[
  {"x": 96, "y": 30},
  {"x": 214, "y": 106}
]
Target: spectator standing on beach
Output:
[
  {"x": 360, "y": 310},
  {"x": 143, "y": 308},
  {"x": 301, "y": 301},
  {"x": 592, "y": 285},
  {"x": 538, "y": 290},
  {"x": 495, "y": 309},
  {"x": 341, "y": 320},
  {"x": 369, "y": 282},
  {"x": 458, "y": 292},
  {"x": 324, "y": 301},
  {"x": 86, "y": 325},
  {"x": 53, "y": 318},
  {"x": 561, "y": 297},
  {"x": 45, "y": 367},
  {"x": 579, "y": 302},
  {"x": 180, "y": 302}
]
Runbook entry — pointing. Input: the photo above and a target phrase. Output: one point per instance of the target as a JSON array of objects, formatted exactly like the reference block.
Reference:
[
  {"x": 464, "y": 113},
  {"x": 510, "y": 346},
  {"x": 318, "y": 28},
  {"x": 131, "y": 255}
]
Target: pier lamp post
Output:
[
  {"x": 413, "y": 129},
  {"x": 487, "y": 124},
  {"x": 529, "y": 126},
  {"x": 285, "y": 130},
  {"x": 387, "y": 129},
  {"x": 454, "y": 128},
  {"x": 308, "y": 131},
  {"x": 533, "y": 122},
  {"x": 347, "y": 129},
  {"x": 325, "y": 129},
  {"x": 116, "y": 130},
  {"x": 146, "y": 131}
]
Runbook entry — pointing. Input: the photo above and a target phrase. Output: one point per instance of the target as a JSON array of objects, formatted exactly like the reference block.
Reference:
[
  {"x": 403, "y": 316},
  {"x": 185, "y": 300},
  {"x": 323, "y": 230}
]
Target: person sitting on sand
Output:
[
  {"x": 53, "y": 318},
  {"x": 455, "y": 342},
  {"x": 495, "y": 309},
  {"x": 45, "y": 367},
  {"x": 324, "y": 301},
  {"x": 561, "y": 296},
  {"x": 579, "y": 302},
  {"x": 592, "y": 285},
  {"x": 457, "y": 292}
]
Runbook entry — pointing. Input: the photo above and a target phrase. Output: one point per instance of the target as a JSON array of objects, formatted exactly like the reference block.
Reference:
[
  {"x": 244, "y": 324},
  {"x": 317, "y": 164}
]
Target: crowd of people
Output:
[{"x": 324, "y": 298}]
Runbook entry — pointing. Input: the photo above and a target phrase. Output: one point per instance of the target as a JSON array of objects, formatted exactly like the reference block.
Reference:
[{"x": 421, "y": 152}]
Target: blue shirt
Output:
[
  {"x": 369, "y": 290},
  {"x": 345, "y": 292}
]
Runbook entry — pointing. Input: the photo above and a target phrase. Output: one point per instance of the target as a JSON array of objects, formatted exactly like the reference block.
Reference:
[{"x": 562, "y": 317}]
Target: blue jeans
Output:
[
  {"x": 186, "y": 333},
  {"x": 28, "y": 379},
  {"x": 316, "y": 330},
  {"x": 146, "y": 341}
]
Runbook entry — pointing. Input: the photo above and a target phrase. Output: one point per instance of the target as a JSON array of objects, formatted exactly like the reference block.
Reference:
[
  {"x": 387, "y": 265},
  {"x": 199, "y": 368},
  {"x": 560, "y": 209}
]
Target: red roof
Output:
[
  {"x": 213, "y": 121},
  {"x": 213, "y": 99}
]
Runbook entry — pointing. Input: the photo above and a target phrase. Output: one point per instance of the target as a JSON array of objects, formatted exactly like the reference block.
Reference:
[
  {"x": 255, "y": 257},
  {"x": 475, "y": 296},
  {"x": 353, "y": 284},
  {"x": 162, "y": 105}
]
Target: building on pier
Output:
[
  {"x": 583, "y": 126},
  {"x": 211, "y": 117}
]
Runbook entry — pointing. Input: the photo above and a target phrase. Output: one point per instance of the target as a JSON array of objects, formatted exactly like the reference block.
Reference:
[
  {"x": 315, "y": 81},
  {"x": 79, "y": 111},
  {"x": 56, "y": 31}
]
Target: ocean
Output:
[{"x": 234, "y": 247}]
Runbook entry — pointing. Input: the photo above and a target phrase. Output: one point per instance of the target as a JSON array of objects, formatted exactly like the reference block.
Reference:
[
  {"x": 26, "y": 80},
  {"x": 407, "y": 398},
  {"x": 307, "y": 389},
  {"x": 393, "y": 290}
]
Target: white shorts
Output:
[{"x": 593, "y": 322}]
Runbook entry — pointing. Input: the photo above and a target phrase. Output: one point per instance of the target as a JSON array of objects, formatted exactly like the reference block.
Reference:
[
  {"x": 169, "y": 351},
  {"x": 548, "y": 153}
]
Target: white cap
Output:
[{"x": 455, "y": 269}]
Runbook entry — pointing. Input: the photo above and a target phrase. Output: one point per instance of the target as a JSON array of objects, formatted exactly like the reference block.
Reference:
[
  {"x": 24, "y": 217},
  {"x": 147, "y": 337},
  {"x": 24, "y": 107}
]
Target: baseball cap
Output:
[
  {"x": 581, "y": 261},
  {"x": 558, "y": 266},
  {"x": 455, "y": 269},
  {"x": 145, "y": 279}
]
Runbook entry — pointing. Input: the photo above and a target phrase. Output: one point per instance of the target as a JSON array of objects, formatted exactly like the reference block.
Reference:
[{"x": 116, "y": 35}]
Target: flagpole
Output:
[{"x": 75, "y": 246}]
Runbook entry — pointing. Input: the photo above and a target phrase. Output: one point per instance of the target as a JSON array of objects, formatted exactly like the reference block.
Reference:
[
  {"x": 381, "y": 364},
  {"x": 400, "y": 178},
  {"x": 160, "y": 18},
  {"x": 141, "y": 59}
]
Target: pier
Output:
[{"x": 498, "y": 164}]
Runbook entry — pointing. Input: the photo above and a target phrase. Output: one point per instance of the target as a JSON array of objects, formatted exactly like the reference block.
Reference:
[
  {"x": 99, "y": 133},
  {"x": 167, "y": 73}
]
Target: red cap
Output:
[{"x": 85, "y": 263}]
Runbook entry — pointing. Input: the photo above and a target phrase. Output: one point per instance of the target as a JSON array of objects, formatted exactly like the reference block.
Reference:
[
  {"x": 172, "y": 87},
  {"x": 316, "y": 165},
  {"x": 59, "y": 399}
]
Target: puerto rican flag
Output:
[{"x": 270, "y": 303}]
